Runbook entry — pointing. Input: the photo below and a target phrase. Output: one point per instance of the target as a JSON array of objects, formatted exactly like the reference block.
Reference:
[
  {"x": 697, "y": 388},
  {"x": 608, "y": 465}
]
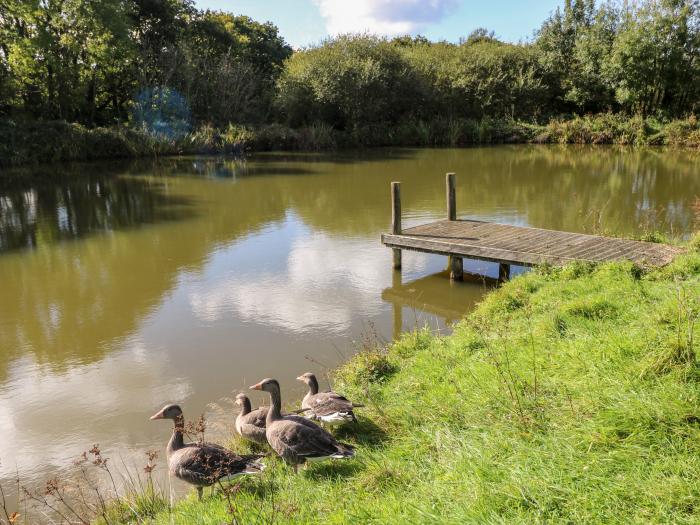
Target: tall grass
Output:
[
  {"x": 43, "y": 142},
  {"x": 92, "y": 491},
  {"x": 571, "y": 395}
]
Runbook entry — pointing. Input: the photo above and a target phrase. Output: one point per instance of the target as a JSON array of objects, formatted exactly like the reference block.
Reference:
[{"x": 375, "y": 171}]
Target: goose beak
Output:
[
  {"x": 300, "y": 378},
  {"x": 159, "y": 415},
  {"x": 256, "y": 386}
]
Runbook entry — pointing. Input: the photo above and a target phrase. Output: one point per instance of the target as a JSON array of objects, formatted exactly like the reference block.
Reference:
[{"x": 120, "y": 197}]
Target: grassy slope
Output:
[{"x": 569, "y": 396}]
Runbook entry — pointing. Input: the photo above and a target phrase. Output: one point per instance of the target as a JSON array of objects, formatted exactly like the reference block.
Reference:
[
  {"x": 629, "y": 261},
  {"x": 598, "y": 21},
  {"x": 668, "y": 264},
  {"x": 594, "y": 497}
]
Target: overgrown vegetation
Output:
[
  {"x": 571, "y": 395},
  {"x": 163, "y": 76},
  {"x": 35, "y": 142},
  {"x": 91, "y": 491}
]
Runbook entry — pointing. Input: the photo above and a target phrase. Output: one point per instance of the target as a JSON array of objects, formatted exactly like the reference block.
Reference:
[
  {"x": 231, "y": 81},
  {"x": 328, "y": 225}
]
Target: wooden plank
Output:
[
  {"x": 470, "y": 251},
  {"x": 524, "y": 245},
  {"x": 508, "y": 244}
]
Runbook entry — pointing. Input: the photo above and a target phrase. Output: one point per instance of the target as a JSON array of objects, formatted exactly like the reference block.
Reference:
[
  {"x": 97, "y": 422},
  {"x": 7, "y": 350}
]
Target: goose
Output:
[
  {"x": 297, "y": 442},
  {"x": 250, "y": 424},
  {"x": 203, "y": 464},
  {"x": 327, "y": 407}
]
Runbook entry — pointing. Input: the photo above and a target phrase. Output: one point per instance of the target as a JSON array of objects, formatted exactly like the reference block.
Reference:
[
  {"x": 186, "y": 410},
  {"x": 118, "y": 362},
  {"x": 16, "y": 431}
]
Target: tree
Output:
[
  {"x": 653, "y": 64},
  {"x": 348, "y": 82},
  {"x": 65, "y": 54},
  {"x": 556, "y": 41},
  {"x": 231, "y": 64}
]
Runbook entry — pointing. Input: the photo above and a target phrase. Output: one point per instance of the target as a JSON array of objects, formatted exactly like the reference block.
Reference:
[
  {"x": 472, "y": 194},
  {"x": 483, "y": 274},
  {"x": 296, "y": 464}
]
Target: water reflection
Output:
[
  {"x": 433, "y": 295},
  {"x": 49, "y": 211},
  {"x": 50, "y": 416}
]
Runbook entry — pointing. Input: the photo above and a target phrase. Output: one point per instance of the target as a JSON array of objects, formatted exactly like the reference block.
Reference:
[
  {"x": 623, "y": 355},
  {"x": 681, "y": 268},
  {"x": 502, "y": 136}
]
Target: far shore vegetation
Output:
[{"x": 127, "y": 78}]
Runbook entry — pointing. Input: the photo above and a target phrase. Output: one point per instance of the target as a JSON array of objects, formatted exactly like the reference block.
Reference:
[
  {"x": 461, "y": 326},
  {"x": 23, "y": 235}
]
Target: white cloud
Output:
[
  {"x": 92, "y": 403},
  {"x": 383, "y": 17},
  {"x": 307, "y": 297}
]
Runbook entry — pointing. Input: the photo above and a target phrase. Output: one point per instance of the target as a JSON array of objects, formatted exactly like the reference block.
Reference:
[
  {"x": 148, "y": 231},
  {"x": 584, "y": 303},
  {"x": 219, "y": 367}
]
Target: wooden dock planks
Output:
[{"x": 525, "y": 246}]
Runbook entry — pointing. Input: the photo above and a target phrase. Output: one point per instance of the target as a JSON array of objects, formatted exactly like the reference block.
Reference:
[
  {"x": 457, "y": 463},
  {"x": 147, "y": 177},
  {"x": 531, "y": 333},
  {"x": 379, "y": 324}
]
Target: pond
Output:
[{"x": 124, "y": 286}]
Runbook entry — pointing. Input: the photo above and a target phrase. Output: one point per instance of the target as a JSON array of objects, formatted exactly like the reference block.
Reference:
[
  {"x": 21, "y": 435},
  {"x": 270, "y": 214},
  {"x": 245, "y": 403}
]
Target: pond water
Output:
[{"x": 124, "y": 286}]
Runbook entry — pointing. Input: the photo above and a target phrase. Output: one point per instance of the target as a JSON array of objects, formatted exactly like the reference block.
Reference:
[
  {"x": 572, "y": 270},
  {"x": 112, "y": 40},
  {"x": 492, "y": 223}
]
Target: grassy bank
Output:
[
  {"x": 44, "y": 142},
  {"x": 569, "y": 396}
]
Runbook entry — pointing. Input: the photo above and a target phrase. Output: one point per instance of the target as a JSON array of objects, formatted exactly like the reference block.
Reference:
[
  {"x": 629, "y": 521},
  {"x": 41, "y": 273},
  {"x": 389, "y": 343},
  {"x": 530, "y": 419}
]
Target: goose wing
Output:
[
  {"x": 326, "y": 403},
  {"x": 307, "y": 441},
  {"x": 255, "y": 418},
  {"x": 205, "y": 464}
]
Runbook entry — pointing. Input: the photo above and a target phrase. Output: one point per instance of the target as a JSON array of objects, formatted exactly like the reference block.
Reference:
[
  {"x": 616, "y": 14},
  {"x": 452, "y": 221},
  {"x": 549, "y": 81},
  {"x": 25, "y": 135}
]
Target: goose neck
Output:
[
  {"x": 313, "y": 385},
  {"x": 275, "y": 411},
  {"x": 177, "y": 440}
]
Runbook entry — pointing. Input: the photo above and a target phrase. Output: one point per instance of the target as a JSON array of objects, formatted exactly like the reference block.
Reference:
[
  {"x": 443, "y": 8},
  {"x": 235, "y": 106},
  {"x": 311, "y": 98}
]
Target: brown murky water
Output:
[{"x": 125, "y": 286}]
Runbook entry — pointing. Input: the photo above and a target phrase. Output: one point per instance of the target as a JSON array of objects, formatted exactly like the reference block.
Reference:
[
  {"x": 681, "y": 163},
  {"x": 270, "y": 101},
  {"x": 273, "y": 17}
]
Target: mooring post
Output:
[
  {"x": 503, "y": 272},
  {"x": 455, "y": 263},
  {"x": 396, "y": 219},
  {"x": 451, "y": 198}
]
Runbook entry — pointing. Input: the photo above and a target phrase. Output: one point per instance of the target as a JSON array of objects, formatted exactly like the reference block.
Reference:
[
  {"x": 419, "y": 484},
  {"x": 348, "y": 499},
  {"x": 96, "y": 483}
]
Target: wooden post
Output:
[
  {"x": 456, "y": 269},
  {"x": 451, "y": 198},
  {"x": 503, "y": 272},
  {"x": 396, "y": 219},
  {"x": 455, "y": 263}
]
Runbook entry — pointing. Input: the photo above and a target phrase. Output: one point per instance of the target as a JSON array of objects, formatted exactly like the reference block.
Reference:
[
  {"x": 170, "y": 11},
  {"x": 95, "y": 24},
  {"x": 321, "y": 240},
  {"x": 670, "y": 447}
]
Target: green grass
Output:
[{"x": 569, "y": 396}]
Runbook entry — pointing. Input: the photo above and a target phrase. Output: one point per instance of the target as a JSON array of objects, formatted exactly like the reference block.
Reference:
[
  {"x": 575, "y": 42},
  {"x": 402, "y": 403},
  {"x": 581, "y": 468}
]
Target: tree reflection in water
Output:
[{"x": 44, "y": 212}]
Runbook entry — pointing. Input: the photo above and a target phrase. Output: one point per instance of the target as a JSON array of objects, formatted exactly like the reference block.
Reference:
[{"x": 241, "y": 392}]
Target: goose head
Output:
[
  {"x": 310, "y": 380},
  {"x": 173, "y": 412},
  {"x": 243, "y": 402},
  {"x": 267, "y": 385},
  {"x": 306, "y": 377}
]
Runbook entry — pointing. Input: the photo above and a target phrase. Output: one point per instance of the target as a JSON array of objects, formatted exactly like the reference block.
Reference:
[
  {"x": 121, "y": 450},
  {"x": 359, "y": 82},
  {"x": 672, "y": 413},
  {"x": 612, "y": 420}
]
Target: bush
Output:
[{"x": 347, "y": 82}]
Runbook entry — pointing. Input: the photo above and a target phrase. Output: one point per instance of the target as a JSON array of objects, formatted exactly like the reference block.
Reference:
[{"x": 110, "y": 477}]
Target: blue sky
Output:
[{"x": 304, "y": 22}]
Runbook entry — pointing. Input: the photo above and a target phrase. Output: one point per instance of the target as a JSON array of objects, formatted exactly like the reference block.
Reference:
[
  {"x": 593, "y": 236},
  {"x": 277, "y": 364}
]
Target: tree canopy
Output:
[
  {"x": 89, "y": 62},
  {"x": 112, "y": 61}
]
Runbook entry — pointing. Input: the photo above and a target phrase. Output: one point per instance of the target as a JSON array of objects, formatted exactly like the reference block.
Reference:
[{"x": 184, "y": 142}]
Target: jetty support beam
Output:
[
  {"x": 455, "y": 263},
  {"x": 456, "y": 268},
  {"x": 396, "y": 219},
  {"x": 503, "y": 272}
]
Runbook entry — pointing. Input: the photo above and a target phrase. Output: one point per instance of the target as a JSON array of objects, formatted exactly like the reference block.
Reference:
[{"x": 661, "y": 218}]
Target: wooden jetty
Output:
[{"x": 507, "y": 245}]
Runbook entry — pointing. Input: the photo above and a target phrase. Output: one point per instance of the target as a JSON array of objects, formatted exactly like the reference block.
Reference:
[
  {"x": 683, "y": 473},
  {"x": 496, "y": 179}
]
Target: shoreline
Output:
[{"x": 31, "y": 143}]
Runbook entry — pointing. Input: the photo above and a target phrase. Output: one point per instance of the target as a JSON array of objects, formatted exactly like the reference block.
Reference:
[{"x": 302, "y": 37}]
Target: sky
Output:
[{"x": 306, "y": 22}]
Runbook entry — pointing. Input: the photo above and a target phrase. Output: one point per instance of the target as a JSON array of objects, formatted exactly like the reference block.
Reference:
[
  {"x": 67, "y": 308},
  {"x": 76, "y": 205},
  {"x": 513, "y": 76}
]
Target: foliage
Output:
[
  {"x": 87, "y": 62},
  {"x": 636, "y": 57},
  {"x": 598, "y": 72},
  {"x": 346, "y": 82}
]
